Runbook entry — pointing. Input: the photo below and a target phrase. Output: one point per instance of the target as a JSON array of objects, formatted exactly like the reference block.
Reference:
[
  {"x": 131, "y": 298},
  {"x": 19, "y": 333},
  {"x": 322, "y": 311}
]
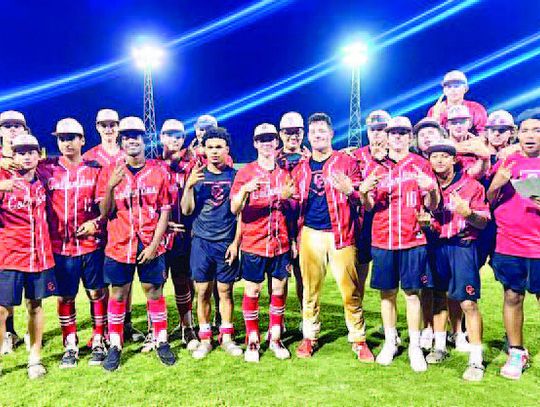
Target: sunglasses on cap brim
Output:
[
  {"x": 265, "y": 138},
  {"x": 175, "y": 134},
  {"x": 377, "y": 126},
  {"x": 131, "y": 134},
  {"x": 68, "y": 136},
  {"x": 454, "y": 84},
  {"x": 400, "y": 130},
  {"x": 459, "y": 120},
  {"x": 292, "y": 131},
  {"x": 25, "y": 149}
]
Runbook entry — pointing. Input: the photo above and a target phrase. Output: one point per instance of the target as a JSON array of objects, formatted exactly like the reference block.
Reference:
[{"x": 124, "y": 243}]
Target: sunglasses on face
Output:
[
  {"x": 265, "y": 138},
  {"x": 131, "y": 135},
  {"x": 453, "y": 85},
  {"x": 108, "y": 125},
  {"x": 292, "y": 131},
  {"x": 499, "y": 130},
  {"x": 175, "y": 134},
  {"x": 454, "y": 122},
  {"x": 12, "y": 126},
  {"x": 67, "y": 137}
]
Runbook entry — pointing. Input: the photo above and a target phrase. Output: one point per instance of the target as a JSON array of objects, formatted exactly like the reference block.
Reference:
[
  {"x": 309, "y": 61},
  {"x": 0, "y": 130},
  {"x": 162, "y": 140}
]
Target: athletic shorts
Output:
[
  {"x": 254, "y": 267},
  {"x": 36, "y": 286},
  {"x": 458, "y": 269},
  {"x": 363, "y": 243},
  {"x": 70, "y": 270},
  {"x": 207, "y": 262},
  {"x": 118, "y": 274},
  {"x": 407, "y": 267},
  {"x": 177, "y": 263},
  {"x": 518, "y": 274}
]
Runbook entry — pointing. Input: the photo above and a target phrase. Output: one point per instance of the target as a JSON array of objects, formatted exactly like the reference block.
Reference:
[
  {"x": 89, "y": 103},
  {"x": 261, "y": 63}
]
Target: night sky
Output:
[{"x": 43, "y": 41}]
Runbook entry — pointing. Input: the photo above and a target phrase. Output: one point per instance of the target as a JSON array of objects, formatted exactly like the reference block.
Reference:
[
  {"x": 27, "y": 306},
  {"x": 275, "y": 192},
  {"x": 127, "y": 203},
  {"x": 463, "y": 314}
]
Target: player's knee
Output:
[
  {"x": 469, "y": 306},
  {"x": 513, "y": 299},
  {"x": 152, "y": 292},
  {"x": 95, "y": 294},
  {"x": 4, "y": 313},
  {"x": 412, "y": 295},
  {"x": 67, "y": 300},
  {"x": 390, "y": 295},
  {"x": 34, "y": 307}
]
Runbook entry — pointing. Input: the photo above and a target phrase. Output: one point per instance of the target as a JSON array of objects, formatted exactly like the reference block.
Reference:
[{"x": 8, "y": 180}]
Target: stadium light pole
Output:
[
  {"x": 148, "y": 57},
  {"x": 355, "y": 56}
]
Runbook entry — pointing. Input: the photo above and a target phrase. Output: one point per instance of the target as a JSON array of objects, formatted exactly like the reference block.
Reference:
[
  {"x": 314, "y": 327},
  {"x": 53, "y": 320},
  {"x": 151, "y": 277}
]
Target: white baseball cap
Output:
[
  {"x": 206, "y": 121},
  {"x": 443, "y": 146},
  {"x": 172, "y": 125},
  {"x": 265, "y": 128},
  {"x": 378, "y": 118},
  {"x": 68, "y": 126},
  {"x": 24, "y": 140},
  {"x": 500, "y": 118},
  {"x": 458, "y": 112},
  {"x": 107, "y": 115},
  {"x": 131, "y": 123},
  {"x": 454, "y": 76},
  {"x": 291, "y": 120},
  {"x": 428, "y": 122},
  {"x": 399, "y": 122},
  {"x": 12, "y": 116}
]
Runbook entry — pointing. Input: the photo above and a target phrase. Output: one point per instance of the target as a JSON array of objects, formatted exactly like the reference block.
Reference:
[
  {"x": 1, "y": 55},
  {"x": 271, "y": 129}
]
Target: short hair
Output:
[
  {"x": 217, "y": 132},
  {"x": 320, "y": 117}
]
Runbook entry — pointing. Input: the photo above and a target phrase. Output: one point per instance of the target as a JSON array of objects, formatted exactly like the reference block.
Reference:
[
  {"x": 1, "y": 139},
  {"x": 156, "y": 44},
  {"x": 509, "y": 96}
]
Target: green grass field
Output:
[{"x": 332, "y": 377}]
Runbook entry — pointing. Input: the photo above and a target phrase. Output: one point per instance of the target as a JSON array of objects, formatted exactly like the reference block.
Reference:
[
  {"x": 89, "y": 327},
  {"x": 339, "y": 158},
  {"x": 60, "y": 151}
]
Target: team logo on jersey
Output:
[
  {"x": 317, "y": 183},
  {"x": 217, "y": 191},
  {"x": 470, "y": 290}
]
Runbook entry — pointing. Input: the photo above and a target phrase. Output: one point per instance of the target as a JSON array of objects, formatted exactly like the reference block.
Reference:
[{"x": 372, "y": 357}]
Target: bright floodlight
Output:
[
  {"x": 148, "y": 56},
  {"x": 355, "y": 54}
]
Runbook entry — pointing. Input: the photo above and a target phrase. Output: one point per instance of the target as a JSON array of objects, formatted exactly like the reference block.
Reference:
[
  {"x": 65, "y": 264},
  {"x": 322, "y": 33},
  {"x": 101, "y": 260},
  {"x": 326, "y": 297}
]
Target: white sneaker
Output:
[
  {"x": 462, "y": 345},
  {"x": 7, "y": 343},
  {"x": 252, "y": 352},
  {"x": 231, "y": 348},
  {"x": 387, "y": 353},
  {"x": 36, "y": 370},
  {"x": 426, "y": 339},
  {"x": 203, "y": 349},
  {"x": 280, "y": 351},
  {"x": 417, "y": 360}
]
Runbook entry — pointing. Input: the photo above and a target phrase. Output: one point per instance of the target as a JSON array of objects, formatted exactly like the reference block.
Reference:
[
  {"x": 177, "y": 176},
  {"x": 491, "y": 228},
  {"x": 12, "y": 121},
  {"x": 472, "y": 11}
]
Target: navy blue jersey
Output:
[
  {"x": 317, "y": 215},
  {"x": 213, "y": 219}
]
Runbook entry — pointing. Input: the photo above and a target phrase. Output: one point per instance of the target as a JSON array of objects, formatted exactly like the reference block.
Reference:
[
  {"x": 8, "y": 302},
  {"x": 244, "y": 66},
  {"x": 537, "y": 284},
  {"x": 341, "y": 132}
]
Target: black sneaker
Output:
[
  {"x": 98, "y": 356},
  {"x": 112, "y": 361},
  {"x": 69, "y": 359},
  {"x": 165, "y": 354},
  {"x": 132, "y": 334}
]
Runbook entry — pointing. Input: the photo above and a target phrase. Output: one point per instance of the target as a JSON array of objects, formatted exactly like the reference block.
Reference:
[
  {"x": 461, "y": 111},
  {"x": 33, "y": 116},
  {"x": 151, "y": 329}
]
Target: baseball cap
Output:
[
  {"x": 107, "y": 115},
  {"x": 24, "y": 140},
  {"x": 263, "y": 129},
  {"x": 443, "y": 146},
  {"x": 398, "y": 122},
  {"x": 427, "y": 122},
  {"x": 68, "y": 126},
  {"x": 378, "y": 119},
  {"x": 458, "y": 112},
  {"x": 12, "y": 116},
  {"x": 172, "y": 125},
  {"x": 291, "y": 120},
  {"x": 205, "y": 121},
  {"x": 500, "y": 118},
  {"x": 456, "y": 77},
  {"x": 131, "y": 123}
]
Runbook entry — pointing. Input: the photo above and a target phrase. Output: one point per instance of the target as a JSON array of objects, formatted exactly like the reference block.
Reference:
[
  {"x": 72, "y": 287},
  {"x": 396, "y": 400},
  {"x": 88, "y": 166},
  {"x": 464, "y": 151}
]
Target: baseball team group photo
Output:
[{"x": 347, "y": 234}]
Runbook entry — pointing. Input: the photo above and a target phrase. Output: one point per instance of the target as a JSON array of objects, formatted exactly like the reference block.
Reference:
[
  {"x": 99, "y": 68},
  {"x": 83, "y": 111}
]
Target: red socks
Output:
[
  {"x": 117, "y": 313},
  {"x": 277, "y": 310},
  {"x": 68, "y": 318},
  {"x": 98, "y": 309},
  {"x": 158, "y": 315},
  {"x": 250, "y": 309}
]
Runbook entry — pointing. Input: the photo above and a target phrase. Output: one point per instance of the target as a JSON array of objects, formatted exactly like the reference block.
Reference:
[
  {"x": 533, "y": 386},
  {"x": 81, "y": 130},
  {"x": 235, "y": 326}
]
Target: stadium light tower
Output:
[
  {"x": 148, "y": 57},
  {"x": 354, "y": 56}
]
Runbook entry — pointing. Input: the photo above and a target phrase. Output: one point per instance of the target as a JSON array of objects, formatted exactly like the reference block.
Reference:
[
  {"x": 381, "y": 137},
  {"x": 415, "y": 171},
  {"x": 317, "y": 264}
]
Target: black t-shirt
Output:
[
  {"x": 317, "y": 215},
  {"x": 213, "y": 219}
]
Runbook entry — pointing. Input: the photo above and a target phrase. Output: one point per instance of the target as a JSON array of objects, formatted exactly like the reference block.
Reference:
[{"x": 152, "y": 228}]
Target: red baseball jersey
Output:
[
  {"x": 518, "y": 218},
  {"x": 451, "y": 223},
  {"x": 139, "y": 200},
  {"x": 71, "y": 201},
  {"x": 398, "y": 200},
  {"x": 25, "y": 244},
  {"x": 104, "y": 159},
  {"x": 477, "y": 111},
  {"x": 264, "y": 222}
]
